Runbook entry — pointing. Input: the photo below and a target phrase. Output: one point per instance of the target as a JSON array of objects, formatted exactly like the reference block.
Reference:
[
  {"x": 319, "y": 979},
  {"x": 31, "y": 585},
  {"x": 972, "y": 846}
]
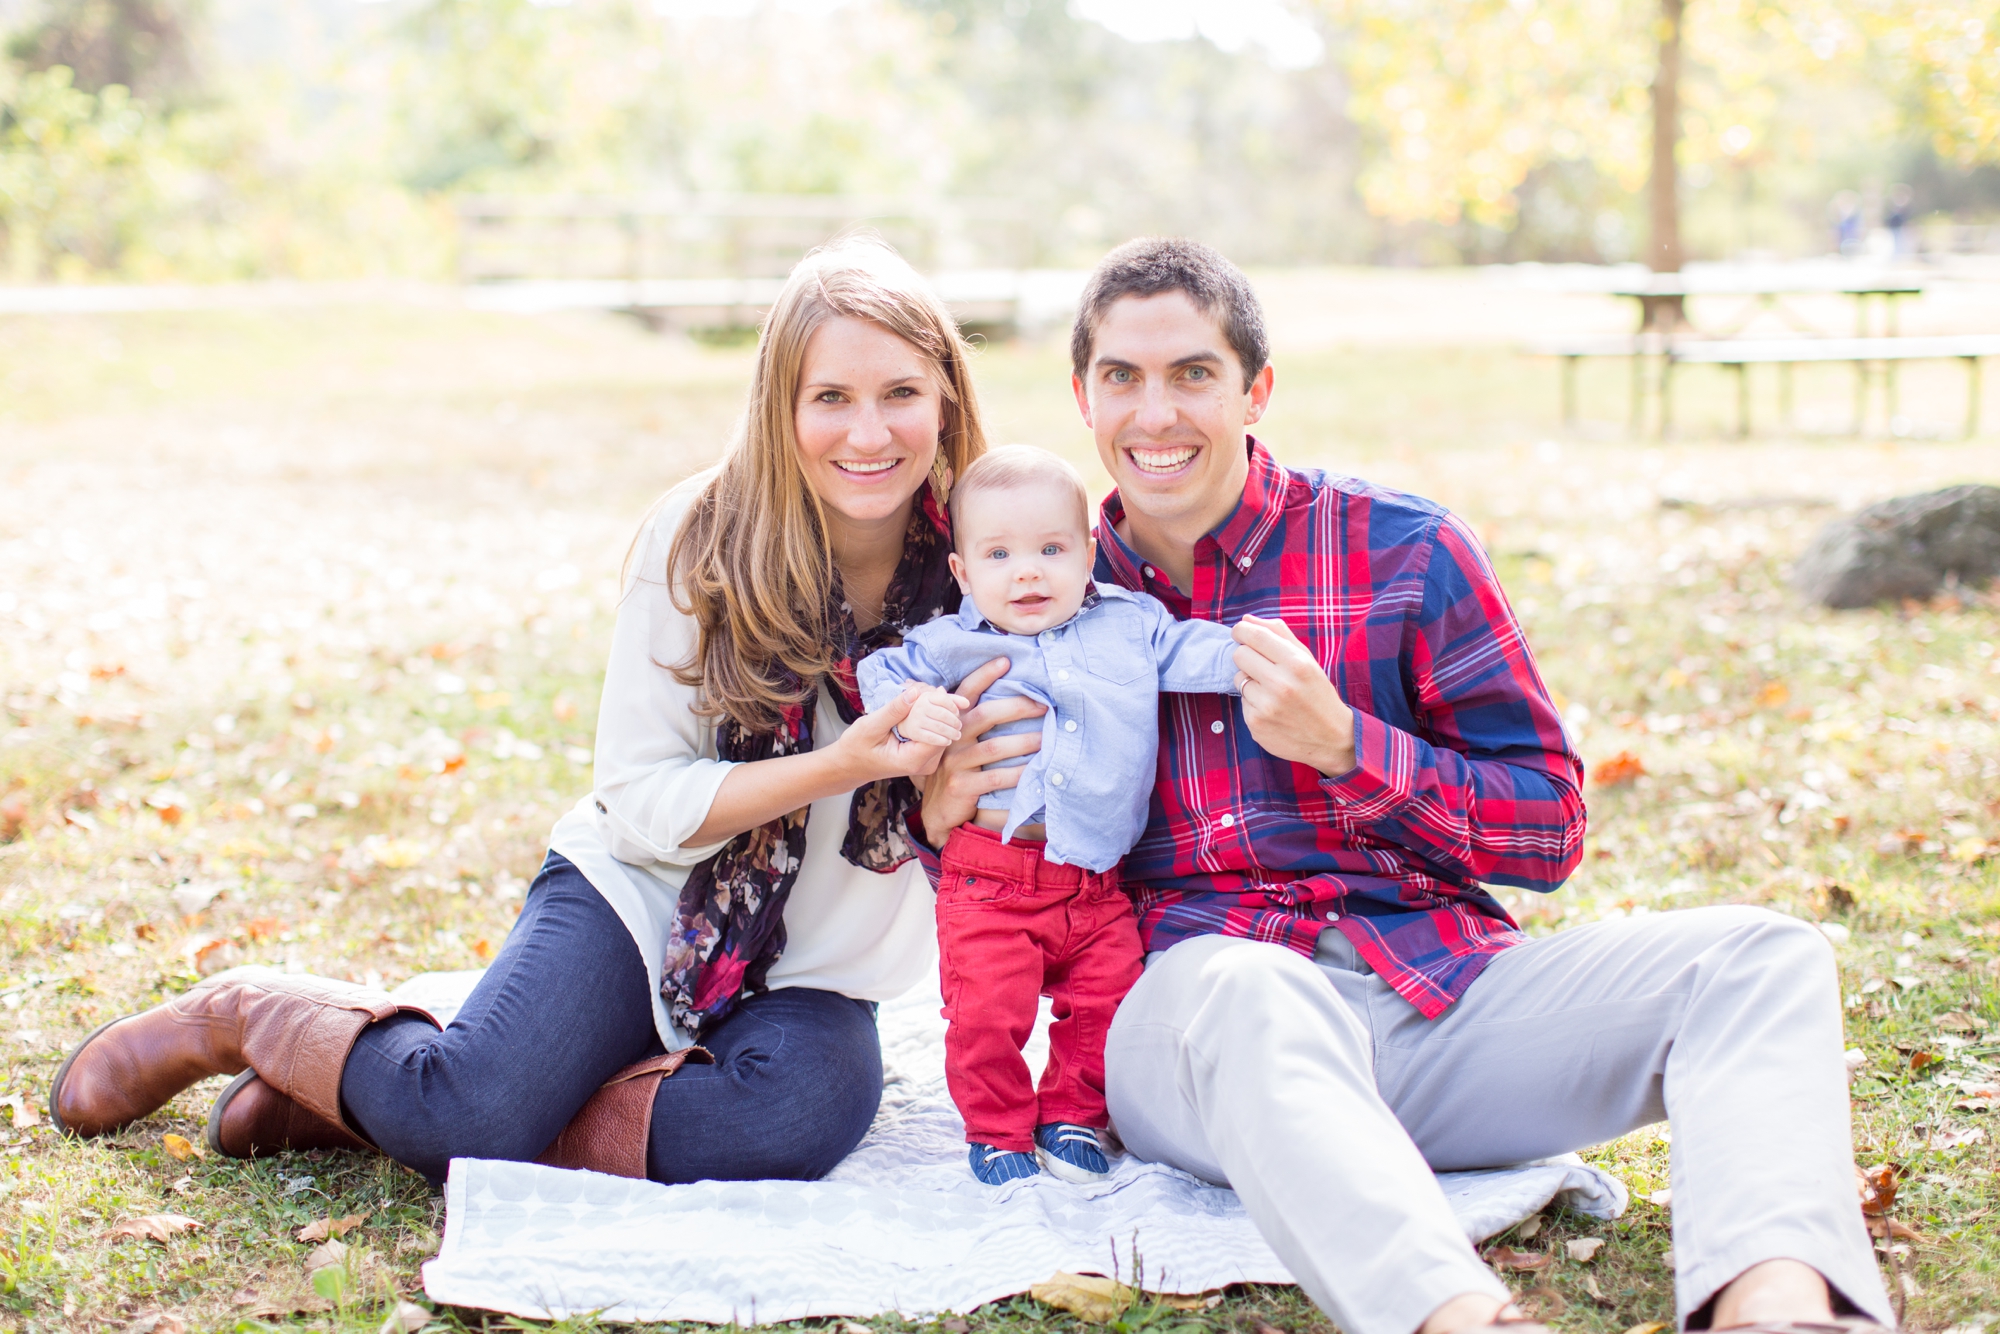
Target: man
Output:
[{"x": 1333, "y": 1008}]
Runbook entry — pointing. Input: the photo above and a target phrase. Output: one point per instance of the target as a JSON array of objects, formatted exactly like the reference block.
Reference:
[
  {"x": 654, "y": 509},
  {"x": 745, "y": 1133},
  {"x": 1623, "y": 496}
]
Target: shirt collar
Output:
[{"x": 1239, "y": 539}]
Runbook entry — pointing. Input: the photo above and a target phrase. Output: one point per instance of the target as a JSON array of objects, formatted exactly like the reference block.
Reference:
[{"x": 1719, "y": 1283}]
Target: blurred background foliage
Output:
[{"x": 204, "y": 140}]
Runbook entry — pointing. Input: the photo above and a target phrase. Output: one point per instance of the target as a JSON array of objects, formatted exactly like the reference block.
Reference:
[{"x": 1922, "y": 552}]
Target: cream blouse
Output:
[{"x": 857, "y": 932}]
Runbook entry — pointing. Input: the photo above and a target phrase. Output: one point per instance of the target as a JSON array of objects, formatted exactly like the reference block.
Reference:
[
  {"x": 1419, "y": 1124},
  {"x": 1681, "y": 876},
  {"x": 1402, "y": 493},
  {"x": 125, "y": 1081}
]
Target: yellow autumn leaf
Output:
[
  {"x": 180, "y": 1147},
  {"x": 1101, "y": 1300}
]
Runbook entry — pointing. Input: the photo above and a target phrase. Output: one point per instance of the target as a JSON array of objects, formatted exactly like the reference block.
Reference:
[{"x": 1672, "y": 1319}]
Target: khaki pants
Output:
[{"x": 1326, "y": 1101}]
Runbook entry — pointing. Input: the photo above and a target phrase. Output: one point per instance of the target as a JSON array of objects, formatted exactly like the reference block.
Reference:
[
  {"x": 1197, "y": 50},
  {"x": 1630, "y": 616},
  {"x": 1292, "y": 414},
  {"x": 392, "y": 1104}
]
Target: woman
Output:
[{"x": 741, "y": 877}]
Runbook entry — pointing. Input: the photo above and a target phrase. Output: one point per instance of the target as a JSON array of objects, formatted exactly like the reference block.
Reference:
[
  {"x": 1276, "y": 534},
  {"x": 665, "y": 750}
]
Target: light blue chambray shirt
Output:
[{"x": 1101, "y": 674}]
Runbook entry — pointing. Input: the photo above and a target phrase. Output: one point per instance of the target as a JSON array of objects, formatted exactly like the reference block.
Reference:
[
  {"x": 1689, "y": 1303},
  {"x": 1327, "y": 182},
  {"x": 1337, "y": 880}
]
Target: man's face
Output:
[{"x": 1164, "y": 394}]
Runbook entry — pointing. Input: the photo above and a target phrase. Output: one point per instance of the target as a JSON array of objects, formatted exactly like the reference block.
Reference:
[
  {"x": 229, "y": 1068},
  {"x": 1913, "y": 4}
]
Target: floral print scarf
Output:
[{"x": 730, "y": 926}]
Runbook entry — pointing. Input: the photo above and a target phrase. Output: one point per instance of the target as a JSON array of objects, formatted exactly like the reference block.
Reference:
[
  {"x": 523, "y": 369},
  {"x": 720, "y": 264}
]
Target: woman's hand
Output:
[
  {"x": 960, "y": 777},
  {"x": 762, "y": 790},
  {"x": 903, "y": 738},
  {"x": 1291, "y": 706}
]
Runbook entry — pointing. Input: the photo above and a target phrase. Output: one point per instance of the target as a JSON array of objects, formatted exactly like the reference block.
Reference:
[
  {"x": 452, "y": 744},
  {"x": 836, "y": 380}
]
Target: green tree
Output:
[
  {"x": 145, "y": 46},
  {"x": 1464, "y": 100}
]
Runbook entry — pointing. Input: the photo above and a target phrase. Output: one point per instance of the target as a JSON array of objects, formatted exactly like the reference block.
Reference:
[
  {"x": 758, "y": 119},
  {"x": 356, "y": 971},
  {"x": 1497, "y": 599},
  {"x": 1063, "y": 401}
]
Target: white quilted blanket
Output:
[{"x": 899, "y": 1226}]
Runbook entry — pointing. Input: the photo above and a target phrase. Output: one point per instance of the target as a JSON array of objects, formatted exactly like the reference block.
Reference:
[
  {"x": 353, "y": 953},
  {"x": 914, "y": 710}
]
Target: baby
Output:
[{"x": 1028, "y": 902}]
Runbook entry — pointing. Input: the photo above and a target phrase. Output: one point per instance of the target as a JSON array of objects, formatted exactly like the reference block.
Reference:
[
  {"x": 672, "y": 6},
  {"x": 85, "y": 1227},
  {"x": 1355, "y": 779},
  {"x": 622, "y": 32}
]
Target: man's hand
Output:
[
  {"x": 960, "y": 779},
  {"x": 1293, "y": 710}
]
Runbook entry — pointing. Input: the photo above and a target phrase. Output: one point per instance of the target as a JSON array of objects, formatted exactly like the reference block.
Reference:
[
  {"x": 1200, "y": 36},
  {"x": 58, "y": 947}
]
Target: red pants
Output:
[{"x": 1011, "y": 929}]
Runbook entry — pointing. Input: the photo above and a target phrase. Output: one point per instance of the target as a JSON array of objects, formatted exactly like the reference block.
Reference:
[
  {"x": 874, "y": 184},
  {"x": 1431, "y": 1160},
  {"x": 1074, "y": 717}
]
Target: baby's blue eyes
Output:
[
  {"x": 998, "y": 553},
  {"x": 1052, "y": 550},
  {"x": 1001, "y": 553}
]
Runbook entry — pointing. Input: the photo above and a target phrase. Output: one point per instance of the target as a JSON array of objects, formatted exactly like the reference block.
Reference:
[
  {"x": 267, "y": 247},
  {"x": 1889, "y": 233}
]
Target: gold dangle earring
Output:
[{"x": 941, "y": 479}]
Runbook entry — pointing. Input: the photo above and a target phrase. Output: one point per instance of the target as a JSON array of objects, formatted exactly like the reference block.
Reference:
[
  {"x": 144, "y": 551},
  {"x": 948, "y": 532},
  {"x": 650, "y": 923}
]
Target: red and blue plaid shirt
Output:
[{"x": 1464, "y": 773}]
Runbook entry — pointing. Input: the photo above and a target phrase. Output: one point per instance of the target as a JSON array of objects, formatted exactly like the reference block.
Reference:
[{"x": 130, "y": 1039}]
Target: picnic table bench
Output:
[{"x": 1740, "y": 354}]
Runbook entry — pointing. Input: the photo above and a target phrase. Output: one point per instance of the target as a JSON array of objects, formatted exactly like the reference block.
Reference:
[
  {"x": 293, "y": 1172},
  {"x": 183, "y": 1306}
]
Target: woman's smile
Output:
[{"x": 867, "y": 469}]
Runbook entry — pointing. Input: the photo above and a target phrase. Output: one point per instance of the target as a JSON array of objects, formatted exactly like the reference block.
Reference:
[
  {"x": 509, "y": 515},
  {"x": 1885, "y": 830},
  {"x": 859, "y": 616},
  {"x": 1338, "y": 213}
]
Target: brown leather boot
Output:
[
  {"x": 251, "y": 1119},
  {"x": 295, "y": 1030},
  {"x": 609, "y": 1134}
]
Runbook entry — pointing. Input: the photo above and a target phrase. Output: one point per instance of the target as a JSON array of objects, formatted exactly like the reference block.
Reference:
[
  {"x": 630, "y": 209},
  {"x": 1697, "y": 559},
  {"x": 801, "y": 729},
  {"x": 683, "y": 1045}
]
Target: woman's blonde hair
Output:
[{"x": 752, "y": 562}]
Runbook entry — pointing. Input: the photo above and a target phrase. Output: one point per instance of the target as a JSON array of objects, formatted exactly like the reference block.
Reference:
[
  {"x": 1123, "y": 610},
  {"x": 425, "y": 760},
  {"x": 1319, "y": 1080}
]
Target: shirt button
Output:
[
  {"x": 1244, "y": 563},
  {"x": 1062, "y": 675},
  {"x": 1056, "y": 779},
  {"x": 1070, "y": 726},
  {"x": 1228, "y": 822},
  {"x": 1149, "y": 572},
  {"x": 1216, "y": 727}
]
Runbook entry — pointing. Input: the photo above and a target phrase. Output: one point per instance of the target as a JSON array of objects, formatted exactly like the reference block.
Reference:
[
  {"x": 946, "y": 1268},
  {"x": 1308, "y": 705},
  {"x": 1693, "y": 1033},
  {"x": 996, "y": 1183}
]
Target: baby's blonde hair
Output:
[{"x": 1009, "y": 466}]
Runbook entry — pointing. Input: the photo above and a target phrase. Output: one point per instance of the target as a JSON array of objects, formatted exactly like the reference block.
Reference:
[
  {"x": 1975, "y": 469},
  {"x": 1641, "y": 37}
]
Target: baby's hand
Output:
[{"x": 933, "y": 718}]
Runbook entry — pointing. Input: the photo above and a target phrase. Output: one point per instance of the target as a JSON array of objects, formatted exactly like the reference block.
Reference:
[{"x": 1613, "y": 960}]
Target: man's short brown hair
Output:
[{"x": 1155, "y": 264}]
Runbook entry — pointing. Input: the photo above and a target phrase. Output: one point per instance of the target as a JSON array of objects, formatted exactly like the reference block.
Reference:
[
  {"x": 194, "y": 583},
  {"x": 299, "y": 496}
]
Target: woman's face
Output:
[{"x": 868, "y": 415}]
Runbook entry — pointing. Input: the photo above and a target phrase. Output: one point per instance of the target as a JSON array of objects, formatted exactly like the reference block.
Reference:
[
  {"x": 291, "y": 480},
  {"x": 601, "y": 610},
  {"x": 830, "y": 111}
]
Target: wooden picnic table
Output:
[
  {"x": 1662, "y": 297},
  {"x": 1664, "y": 334}
]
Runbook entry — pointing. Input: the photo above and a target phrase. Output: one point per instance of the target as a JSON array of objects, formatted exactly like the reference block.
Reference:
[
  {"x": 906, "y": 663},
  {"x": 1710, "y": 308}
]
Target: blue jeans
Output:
[{"x": 796, "y": 1080}]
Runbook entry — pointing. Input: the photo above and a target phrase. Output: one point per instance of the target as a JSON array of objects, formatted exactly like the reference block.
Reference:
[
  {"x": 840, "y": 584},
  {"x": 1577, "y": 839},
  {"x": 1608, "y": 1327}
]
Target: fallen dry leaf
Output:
[
  {"x": 1100, "y": 1300},
  {"x": 1527, "y": 1230},
  {"x": 1584, "y": 1249},
  {"x": 1896, "y": 1228},
  {"x": 408, "y": 1318},
  {"x": 1087, "y": 1296},
  {"x": 1664, "y": 1197},
  {"x": 322, "y": 1228},
  {"x": 183, "y": 1185},
  {"x": 1877, "y": 1187},
  {"x": 324, "y": 1254},
  {"x": 156, "y": 1322},
  {"x": 1958, "y": 1139},
  {"x": 1923, "y": 1059},
  {"x": 25, "y": 1113},
  {"x": 1958, "y": 1021},
  {"x": 1596, "y": 1293},
  {"x": 13, "y": 816},
  {"x": 1543, "y": 1301},
  {"x": 153, "y": 1227},
  {"x": 1526, "y": 1262},
  {"x": 1624, "y": 767},
  {"x": 181, "y": 1147},
  {"x": 1651, "y": 1327}
]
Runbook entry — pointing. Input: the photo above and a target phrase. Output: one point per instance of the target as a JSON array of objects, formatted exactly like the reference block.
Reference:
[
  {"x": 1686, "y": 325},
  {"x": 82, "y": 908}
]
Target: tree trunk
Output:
[{"x": 1664, "y": 249}]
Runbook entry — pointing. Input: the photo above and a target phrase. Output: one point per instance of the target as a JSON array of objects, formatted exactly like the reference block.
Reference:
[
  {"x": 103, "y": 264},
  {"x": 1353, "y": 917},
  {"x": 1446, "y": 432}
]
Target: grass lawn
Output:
[{"x": 301, "y": 619}]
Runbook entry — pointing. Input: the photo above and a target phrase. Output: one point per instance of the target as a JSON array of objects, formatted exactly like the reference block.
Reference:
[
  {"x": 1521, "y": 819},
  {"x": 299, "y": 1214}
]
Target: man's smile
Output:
[{"x": 1161, "y": 460}]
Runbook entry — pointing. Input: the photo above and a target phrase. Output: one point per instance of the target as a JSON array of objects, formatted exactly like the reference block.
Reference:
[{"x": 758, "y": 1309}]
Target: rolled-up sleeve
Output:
[{"x": 656, "y": 768}]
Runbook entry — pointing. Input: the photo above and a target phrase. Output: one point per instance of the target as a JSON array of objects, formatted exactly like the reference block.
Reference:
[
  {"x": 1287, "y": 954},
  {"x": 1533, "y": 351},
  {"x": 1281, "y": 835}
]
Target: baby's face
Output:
[{"x": 1024, "y": 556}]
